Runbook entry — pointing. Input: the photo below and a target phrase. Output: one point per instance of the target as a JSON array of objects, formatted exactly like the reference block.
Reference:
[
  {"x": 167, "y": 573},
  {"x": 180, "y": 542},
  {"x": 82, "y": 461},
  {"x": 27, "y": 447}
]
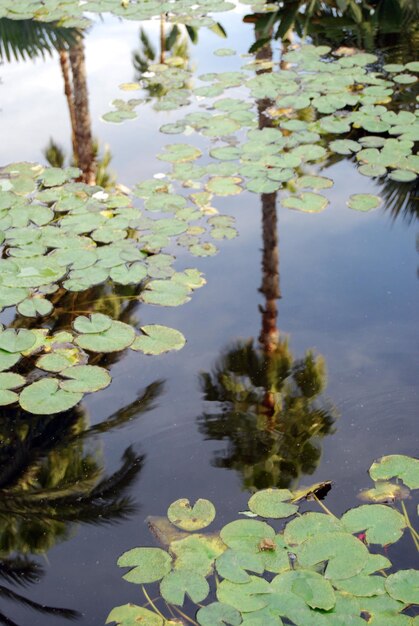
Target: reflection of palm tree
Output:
[
  {"x": 28, "y": 39},
  {"x": 269, "y": 408},
  {"x": 49, "y": 481},
  {"x": 172, "y": 46}
]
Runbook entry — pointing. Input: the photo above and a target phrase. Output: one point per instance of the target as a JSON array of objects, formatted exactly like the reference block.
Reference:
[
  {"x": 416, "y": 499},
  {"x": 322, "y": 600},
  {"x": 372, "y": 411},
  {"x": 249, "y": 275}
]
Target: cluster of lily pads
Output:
[
  {"x": 71, "y": 13},
  {"x": 62, "y": 236},
  {"x": 319, "y": 107},
  {"x": 319, "y": 570}
]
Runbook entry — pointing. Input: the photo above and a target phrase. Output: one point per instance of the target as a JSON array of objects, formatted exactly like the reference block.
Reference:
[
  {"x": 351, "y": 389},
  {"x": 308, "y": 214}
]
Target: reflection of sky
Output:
[{"x": 349, "y": 288}]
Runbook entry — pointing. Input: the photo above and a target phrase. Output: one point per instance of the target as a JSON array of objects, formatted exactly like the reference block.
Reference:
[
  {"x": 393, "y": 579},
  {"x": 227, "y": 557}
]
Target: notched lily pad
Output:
[
  {"x": 148, "y": 564},
  {"x": 45, "y": 397},
  {"x": 273, "y": 503},
  {"x": 158, "y": 339},
  {"x": 191, "y": 518}
]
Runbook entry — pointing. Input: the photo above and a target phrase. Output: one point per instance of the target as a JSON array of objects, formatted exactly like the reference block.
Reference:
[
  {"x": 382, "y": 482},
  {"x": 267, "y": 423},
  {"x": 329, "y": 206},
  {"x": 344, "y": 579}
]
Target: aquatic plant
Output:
[
  {"x": 61, "y": 236},
  {"x": 318, "y": 569}
]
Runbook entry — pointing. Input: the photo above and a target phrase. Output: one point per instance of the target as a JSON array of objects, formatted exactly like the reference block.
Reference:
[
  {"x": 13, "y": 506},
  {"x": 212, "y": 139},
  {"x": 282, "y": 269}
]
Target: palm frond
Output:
[{"x": 28, "y": 39}]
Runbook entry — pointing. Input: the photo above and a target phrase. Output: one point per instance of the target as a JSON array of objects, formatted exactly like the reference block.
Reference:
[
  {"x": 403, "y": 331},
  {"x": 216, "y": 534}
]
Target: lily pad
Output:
[
  {"x": 158, "y": 339},
  {"x": 95, "y": 323},
  {"x": 273, "y": 503},
  {"x": 115, "y": 338},
  {"x": 191, "y": 518},
  {"x": 245, "y": 597},
  {"x": 16, "y": 340},
  {"x": 307, "y": 202},
  {"x": 148, "y": 564},
  {"x": 45, "y": 397},
  {"x": 166, "y": 293},
  {"x": 381, "y": 523},
  {"x": 224, "y": 185},
  {"x": 346, "y": 555},
  {"x": 85, "y": 378},
  {"x": 218, "y": 614},
  {"x": 177, "y": 584},
  {"x": 404, "y": 586},
  {"x": 363, "y": 201},
  {"x": 132, "y": 615},
  {"x": 247, "y": 535},
  {"x": 396, "y": 466}
]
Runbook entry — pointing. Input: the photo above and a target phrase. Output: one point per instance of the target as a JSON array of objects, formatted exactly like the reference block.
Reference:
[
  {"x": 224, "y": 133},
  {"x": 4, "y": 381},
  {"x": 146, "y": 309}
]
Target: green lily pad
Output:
[
  {"x": 381, "y": 523},
  {"x": 115, "y": 338},
  {"x": 85, "y": 378},
  {"x": 273, "y": 503},
  {"x": 245, "y": 597},
  {"x": 385, "y": 491},
  {"x": 307, "y": 202},
  {"x": 45, "y": 397},
  {"x": 310, "y": 586},
  {"x": 396, "y": 466},
  {"x": 218, "y": 614},
  {"x": 402, "y": 176},
  {"x": 95, "y": 323},
  {"x": 363, "y": 201},
  {"x": 16, "y": 340},
  {"x": 8, "y": 381},
  {"x": 404, "y": 586},
  {"x": 32, "y": 307},
  {"x": 177, "y": 584},
  {"x": 232, "y": 565},
  {"x": 166, "y": 293},
  {"x": 180, "y": 153},
  {"x": 197, "y": 553},
  {"x": 344, "y": 146},
  {"x": 247, "y": 535},
  {"x": 59, "y": 359},
  {"x": 148, "y": 564},
  {"x": 346, "y": 555},
  {"x": 158, "y": 339},
  {"x": 224, "y": 185},
  {"x": 313, "y": 182},
  {"x": 200, "y": 515},
  {"x": 132, "y": 615},
  {"x": 309, "y": 525}
]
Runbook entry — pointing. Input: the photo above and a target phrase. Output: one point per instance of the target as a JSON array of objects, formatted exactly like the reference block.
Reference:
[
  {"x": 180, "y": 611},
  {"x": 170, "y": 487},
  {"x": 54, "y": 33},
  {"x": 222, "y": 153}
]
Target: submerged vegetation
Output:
[{"x": 317, "y": 570}]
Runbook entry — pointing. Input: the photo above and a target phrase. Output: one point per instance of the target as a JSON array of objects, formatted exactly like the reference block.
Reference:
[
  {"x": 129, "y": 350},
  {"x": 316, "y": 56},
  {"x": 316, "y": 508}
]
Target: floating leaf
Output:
[
  {"x": 404, "y": 586},
  {"x": 182, "y": 515},
  {"x": 131, "y": 615},
  {"x": 232, "y": 565},
  {"x": 381, "y": 523},
  {"x": 180, "y": 153},
  {"x": 85, "y": 378},
  {"x": 308, "y": 202},
  {"x": 197, "y": 553},
  {"x": 16, "y": 340},
  {"x": 115, "y": 338},
  {"x": 273, "y": 503},
  {"x": 245, "y": 597},
  {"x": 224, "y": 185},
  {"x": 148, "y": 564},
  {"x": 158, "y": 339},
  {"x": 166, "y": 293},
  {"x": 95, "y": 323},
  {"x": 176, "y": 585},
  {"x": 313, "y": 182},
  {"x": 309, "y": 525},
  {"x": 9, "y": 381},
  {"x": 346, "y": 555},
  {"x": 363, "y": 201},
  {"x": 395, "y": 466},
  {"x": 218, "y": 614},
  {"x": 45, "y": 397},
  {"x": 59, "y": 360},
  {"x": 385, "y": 492},
  {"x": 246, "y": 535},
  {"x": 310, "y": 586}
]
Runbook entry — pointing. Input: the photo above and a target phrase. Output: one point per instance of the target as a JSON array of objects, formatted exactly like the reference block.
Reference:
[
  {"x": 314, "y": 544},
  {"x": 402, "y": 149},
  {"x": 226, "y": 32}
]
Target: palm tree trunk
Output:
[
  {"x": 83, "y": 132},
  {"x": 65, "y": 69},
  {"x": 162, "y": 40}
]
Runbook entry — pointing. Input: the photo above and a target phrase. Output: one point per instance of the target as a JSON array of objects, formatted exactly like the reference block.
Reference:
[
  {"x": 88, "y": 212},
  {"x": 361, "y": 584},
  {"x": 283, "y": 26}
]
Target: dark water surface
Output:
[{"x": 349, "y": 286}]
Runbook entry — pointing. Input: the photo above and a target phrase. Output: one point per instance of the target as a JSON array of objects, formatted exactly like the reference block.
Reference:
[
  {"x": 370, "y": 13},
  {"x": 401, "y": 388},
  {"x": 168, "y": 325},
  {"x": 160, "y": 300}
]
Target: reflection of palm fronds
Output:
[
  {"x": 20, "y": 571},
  {"x": 401, "y": 199},
  {"x": 267, "y": 410},
  {"x": 41, "y": 608},
  {"x": 27, "y": 39}
]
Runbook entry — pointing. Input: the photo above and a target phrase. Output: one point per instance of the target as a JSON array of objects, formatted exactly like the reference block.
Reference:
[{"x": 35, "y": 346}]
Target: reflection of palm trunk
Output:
[
  {"x": 269, "y": 335},
  {"x": 65, "y": 69},
  {"x": 162, "y": 39},
  {"x": 83, "y": 133},
  {"x": 270, "y": 260}
]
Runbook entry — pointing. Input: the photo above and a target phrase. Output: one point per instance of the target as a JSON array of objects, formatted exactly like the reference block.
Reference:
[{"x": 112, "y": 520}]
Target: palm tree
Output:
[
  {"x": 49, "y": 482},
  {"x": 270, "y": 409},
  {"x": 28, "y": 39}
]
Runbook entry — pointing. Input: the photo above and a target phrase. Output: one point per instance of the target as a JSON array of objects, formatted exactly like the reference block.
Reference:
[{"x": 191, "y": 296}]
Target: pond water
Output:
[{"x": 347, "y": 290}]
